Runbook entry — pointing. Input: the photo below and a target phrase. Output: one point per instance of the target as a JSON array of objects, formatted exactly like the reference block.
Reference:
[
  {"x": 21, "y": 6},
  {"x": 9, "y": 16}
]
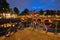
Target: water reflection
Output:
[{"x": 8, "y": 28}]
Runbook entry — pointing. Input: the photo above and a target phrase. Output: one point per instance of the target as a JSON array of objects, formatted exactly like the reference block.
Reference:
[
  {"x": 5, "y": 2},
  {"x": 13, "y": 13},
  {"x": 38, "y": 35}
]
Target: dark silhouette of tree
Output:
[
  {"x": 50, "y": 12},
  {"x": 25, "y": 12},
  {"x": 4, "y": 6},
  {"x": 53, "y": 13},
  {"x": 57, "y": 12},
  {"x": 16, "y": 11},
  {"x": 41, "y": 12}
]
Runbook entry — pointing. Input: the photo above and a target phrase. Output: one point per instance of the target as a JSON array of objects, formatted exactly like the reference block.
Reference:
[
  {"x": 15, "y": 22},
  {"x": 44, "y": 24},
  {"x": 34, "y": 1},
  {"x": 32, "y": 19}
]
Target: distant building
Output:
[{"x": 8, "y": 15}]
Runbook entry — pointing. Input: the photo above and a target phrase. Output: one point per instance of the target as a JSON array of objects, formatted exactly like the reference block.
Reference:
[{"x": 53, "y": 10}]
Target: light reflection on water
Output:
[
  {"x": 6, "y": 25},
  {"x": 24, "y": 25}
]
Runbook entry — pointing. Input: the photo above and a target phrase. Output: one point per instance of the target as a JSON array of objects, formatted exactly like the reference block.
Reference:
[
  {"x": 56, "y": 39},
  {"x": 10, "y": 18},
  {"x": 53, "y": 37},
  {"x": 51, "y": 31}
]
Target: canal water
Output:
[
  {"x": 50, "y": 29},
  {"x": 55, "y": 27}
]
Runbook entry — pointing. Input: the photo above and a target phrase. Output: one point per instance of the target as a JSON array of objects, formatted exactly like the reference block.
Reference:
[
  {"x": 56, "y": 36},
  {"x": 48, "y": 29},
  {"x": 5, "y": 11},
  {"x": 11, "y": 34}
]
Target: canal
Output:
[{"x": 14, "y": 27}]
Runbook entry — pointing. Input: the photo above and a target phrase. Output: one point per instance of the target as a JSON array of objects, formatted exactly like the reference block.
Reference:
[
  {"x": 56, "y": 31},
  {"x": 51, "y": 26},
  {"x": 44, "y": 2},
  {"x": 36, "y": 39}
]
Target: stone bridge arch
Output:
[{"x": 49, "y": 20}]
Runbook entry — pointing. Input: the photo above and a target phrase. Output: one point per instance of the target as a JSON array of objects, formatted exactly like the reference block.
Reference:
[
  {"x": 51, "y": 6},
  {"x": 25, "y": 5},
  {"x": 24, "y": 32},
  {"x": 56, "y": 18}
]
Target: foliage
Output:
[
  {"x": 16, "y": 10},
  {"x": 25, "y": 12},
  {"x": 4, "y": 6},
  {"x": 41, "y": 12},
  {"x": 50, "y": 12}
]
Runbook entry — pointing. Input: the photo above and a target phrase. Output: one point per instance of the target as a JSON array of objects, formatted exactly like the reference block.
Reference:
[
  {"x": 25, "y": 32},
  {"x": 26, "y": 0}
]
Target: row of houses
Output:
[{"x": 8, "y": 15}]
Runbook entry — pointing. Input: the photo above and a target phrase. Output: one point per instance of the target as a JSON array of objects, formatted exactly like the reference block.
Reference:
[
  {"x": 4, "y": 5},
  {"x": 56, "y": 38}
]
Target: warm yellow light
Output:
[
  {"x": 0, "y": 17},
  {"x": 6, "y": 15},
  {"x": 14, "y": 16},
  {"x": 50, "y": 21},
  {"x": 22, "y": 18},
  {"x": 6, "y": 25}
]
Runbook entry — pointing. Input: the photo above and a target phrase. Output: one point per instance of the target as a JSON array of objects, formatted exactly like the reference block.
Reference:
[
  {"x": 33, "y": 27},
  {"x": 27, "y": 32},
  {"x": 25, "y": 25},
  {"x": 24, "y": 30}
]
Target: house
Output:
[{"x": 7, "y": 15}]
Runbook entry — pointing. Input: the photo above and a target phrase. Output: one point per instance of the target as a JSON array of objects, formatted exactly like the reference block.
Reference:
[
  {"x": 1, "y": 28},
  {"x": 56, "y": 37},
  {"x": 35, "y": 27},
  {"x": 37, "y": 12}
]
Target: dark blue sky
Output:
[{"x": 35, "y": 4}]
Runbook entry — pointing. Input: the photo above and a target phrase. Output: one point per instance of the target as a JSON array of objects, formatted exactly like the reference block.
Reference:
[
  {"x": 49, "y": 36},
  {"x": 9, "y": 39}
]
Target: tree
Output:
[
  {"x": 16, "y": 10},
  {"x": 50, "y": 12},
  {"x": 25, "y": 12},
  {"x": 41, "y": 12},
  {"x": 58, "y": 12},
  {"x": 4, "y": 6}
]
